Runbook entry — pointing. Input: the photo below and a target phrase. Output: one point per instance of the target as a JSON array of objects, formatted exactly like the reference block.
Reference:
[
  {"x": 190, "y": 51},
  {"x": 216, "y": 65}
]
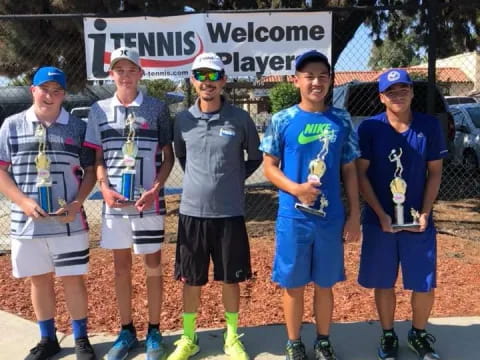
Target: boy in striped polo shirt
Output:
[
  {"x": 42, "y": 243},
  {"x": 142, "y": 122}
]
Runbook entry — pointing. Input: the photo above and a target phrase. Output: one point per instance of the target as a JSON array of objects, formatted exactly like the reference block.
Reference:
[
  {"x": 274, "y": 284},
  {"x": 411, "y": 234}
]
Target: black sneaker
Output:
[
  {"x": 295, "y": 351},
  {"x": 388, "y": 348},
  {"x": 323, "y": 350},
  {"x": 45, "y": 349},
  {"x": 84, "y": 350},
  {"x": 421, "y": 344}
]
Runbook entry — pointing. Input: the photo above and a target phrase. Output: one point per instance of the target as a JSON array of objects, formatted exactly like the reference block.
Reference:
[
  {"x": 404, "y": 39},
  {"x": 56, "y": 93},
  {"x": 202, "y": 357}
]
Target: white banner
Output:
[{"x": 250, "y": 44}]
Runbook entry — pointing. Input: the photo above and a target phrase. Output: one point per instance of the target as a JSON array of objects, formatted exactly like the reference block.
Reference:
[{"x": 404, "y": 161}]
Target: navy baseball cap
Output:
[
  {"x": 392, "y": 77},
  {"x": 311, "y": 55},
  {"x": 49, "y": 73}
]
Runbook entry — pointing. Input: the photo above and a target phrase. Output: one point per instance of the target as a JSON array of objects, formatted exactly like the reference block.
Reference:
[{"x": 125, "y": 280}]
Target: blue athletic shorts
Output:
[
  {"x": 383, "y": 252},
  {"x": 308, "y": 250}
]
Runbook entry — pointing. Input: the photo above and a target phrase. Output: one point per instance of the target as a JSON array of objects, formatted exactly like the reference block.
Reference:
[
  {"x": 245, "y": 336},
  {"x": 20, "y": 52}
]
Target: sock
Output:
[
  {"x": 153, "y": 327},
  {"x": 189, "y": 325},
  {"x": 232, "y": 325},
  {"x": 292, "y": 342},
  {"x": 130, "y": 328},
  {"x": 416, "y": 331},
  {"x": 79, "y": 328},
  {"x": 47, "y": 328},
  {"x": 321, "y": 337},
  {"x": 388, "y": 332}
]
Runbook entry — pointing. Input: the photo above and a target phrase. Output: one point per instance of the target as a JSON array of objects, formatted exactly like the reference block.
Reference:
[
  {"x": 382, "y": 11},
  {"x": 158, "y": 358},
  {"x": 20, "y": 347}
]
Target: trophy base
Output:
[
  {"x": 310, "y": 210},
  {"x": 411, "y": 226}
]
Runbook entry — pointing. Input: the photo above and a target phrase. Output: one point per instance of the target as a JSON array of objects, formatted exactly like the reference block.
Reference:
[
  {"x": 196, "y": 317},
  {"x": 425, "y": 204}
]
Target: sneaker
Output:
[
  {"x": 125, "y": 342},
  {"x": 84, "y": 350},
  {"x": 154, "y": 348},
  {"x": 323, "y": 350},
  {"x": 44, "y": 349},
  {"x": 388, "y": 348},
  {"x": 185, "y": 348},
  {"x": 235, "y": 348},
  {"x": 420, "y": 343},
  {"x": 295, "y": 351}
]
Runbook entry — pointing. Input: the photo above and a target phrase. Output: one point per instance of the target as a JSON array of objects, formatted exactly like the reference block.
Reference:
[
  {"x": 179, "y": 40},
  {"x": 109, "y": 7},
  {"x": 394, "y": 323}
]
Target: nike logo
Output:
[
  {"x": 306, "y": 139},
  {"x": 53, "y": 73}
]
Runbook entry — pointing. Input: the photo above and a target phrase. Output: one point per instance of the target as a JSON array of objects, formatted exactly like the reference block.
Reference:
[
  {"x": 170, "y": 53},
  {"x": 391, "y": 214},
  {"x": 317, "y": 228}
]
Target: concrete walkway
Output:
[{"x": 457, "y": 339}]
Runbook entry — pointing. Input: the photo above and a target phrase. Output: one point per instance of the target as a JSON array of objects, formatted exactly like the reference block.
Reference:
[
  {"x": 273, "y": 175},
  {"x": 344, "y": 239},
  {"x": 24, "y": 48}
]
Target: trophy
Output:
[
  {"x": 398, "y": 187},
  {"x": 316, "y": 170},
  {"x": 129, "y": 150},
  {"x": 44, "y": 181}
]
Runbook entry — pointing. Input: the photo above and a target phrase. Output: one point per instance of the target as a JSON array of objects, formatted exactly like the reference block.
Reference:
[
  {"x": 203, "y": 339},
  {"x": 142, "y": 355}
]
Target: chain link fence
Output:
[{"x": 458, "y": 89}]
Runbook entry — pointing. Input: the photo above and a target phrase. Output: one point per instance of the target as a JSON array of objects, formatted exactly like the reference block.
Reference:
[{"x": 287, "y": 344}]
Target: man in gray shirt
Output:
[{"x": 210, "y": 140}]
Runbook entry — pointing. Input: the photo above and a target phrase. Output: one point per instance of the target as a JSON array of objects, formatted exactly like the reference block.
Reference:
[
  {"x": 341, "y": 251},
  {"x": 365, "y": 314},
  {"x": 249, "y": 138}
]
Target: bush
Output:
[{"x": 283, "y": 95}]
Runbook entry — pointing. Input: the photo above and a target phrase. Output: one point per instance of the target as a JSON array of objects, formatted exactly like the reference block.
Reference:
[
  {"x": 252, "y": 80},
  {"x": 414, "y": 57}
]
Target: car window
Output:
[
  {"x": 459, "y": 118},
  {"x": 474, "y": 113}
]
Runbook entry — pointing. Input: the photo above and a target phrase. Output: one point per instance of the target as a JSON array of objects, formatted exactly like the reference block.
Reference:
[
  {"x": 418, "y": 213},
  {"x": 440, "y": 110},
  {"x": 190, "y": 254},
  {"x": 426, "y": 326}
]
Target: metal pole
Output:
[{"x": 432, "y": 54}]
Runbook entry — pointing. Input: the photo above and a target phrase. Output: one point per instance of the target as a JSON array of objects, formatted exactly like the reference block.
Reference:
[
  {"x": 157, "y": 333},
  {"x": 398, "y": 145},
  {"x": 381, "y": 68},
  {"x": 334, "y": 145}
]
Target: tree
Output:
[
  {"x": 399, "y": 53},
  {"x": 27, "y": 44},
  {"x": 282, "y": 96},
  {"x": 159, "y": 88}
]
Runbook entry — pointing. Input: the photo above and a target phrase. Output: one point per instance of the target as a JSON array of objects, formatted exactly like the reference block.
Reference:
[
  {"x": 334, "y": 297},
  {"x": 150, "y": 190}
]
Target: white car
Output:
[{"x": 467, "y": 134}]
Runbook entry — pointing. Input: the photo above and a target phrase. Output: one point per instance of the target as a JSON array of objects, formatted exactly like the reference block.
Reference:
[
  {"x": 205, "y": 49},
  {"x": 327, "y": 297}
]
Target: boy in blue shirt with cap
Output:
[
  {"x": 316, "y": 142},
  {"x": 416, "y": 141}
]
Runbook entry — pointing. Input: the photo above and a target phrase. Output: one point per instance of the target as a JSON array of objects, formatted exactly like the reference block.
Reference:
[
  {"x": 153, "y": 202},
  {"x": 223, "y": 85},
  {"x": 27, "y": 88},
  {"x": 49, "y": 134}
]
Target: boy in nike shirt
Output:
[{"x": 309, "y": 247}]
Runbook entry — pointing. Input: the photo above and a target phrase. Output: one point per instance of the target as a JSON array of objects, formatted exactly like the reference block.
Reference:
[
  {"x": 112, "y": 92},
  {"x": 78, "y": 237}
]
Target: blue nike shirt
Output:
[
  {"x": 421, "y": 143},
  {"x": 293, "y": 137}
]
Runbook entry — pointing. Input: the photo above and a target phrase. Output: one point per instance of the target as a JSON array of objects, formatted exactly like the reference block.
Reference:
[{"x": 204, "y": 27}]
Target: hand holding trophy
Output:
[
  {"x": 398, "y": 187},
  {"x": 317, "y": 169}
]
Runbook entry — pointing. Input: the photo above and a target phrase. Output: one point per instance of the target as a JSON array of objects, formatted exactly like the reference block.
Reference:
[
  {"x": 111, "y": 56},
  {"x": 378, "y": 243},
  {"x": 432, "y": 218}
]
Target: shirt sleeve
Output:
[
  {"x": 178, "y": 141},
  {"x": 92, "y": 135},
  {"x": 436, "y": 148},
  {"x": 350, "y": 149},
  {"x": 252, "y": 141},
  {"x": 165, "y": 132},
  {"x": 365, "y": 143},
  {"x": 272, "y": 139},
  {"x": 5, "y": 155}
]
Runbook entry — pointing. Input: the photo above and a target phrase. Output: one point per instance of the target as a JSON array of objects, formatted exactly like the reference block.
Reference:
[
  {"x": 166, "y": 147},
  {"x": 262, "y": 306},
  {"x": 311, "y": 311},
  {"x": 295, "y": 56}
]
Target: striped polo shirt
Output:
[
  {"x": 18, "y": 149},
  {"x": 107, "y": 130}
]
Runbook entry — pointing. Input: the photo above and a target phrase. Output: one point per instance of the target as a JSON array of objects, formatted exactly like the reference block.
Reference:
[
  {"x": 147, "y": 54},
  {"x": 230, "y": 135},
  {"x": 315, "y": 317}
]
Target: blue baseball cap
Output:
[
  {"x": 49, "y": 73},
  {"x": 392, "y": 77},
  {"x": 311, "y": 55}
]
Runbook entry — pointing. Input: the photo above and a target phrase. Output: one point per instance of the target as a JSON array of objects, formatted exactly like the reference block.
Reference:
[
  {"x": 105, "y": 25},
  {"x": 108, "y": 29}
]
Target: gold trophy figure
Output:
[
  {"x": 42, "y": 163},
  {"x": 129, "y": 150},
  {"x": 317, "y": 169},
  {"x": 398, "y": 187}
]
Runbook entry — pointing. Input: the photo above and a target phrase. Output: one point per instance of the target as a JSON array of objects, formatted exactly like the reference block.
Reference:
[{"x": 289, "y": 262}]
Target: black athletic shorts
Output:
[{"x": 225, "y": 240}]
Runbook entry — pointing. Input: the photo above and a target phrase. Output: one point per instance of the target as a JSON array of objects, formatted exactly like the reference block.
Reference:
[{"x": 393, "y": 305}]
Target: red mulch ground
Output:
[{"x": 457, "y": 294}]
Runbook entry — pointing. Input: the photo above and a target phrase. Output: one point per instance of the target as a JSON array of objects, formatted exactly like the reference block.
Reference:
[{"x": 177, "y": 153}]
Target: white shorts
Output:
[
  {"x": 145, "y": 233},
  {"x": 64, "y": 255}
]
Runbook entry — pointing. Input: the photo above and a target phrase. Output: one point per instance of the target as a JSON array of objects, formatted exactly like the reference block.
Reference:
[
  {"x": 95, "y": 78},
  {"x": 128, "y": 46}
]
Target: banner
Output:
[{"x": 250, "y": 44}]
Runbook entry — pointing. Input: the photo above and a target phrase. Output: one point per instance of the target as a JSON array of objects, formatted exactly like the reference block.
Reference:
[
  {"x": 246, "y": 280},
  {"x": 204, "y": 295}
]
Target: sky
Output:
[{"x": 356, "y": 54}]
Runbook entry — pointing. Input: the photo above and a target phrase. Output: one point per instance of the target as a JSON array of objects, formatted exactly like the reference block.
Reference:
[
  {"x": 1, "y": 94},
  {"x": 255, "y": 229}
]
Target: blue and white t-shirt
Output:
[
  {"x": 293, "y": 137},
  {"x": 19, "y": 148},
  {"x": 421, "y": 143},
  {"x": 107, "y": 130}
]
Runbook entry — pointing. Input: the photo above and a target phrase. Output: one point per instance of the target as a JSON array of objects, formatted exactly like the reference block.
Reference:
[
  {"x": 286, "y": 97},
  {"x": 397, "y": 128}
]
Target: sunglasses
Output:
[{"x": 212, "y": 75}]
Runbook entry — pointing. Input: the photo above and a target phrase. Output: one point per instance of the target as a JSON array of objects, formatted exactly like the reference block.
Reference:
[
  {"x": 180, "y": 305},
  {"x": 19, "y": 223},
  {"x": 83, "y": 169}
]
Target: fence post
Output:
[{"x": 432, "y": 8}]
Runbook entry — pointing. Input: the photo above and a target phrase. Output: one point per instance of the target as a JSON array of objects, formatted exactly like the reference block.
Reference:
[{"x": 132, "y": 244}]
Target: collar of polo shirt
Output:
[
  {"x": 61, "y": 119},
  {"x": 136, "y": 102}
]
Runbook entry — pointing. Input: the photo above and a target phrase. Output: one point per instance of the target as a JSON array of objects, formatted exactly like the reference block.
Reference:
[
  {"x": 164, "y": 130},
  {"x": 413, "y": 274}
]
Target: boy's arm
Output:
[
  {"x": 86, "y": 186},
  {"x": 306, "y": 192},
  {"x": 148, "y": 197},
  {"x": 110, "y": 196},
  {"x": 434, "y": 177},
  {"x": 369, "y": 195},
  {"x": 351, "y": 230},
  {"x": 8, "y": 188}
]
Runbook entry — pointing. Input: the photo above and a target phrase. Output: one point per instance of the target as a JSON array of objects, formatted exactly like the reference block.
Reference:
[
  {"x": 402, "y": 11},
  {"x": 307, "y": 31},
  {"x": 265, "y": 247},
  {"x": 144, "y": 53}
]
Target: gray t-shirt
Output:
[
  {"x": 214, "y": 146},
  {"x": 107, "y": 130},
  {"x": 19, "y": 147}
]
